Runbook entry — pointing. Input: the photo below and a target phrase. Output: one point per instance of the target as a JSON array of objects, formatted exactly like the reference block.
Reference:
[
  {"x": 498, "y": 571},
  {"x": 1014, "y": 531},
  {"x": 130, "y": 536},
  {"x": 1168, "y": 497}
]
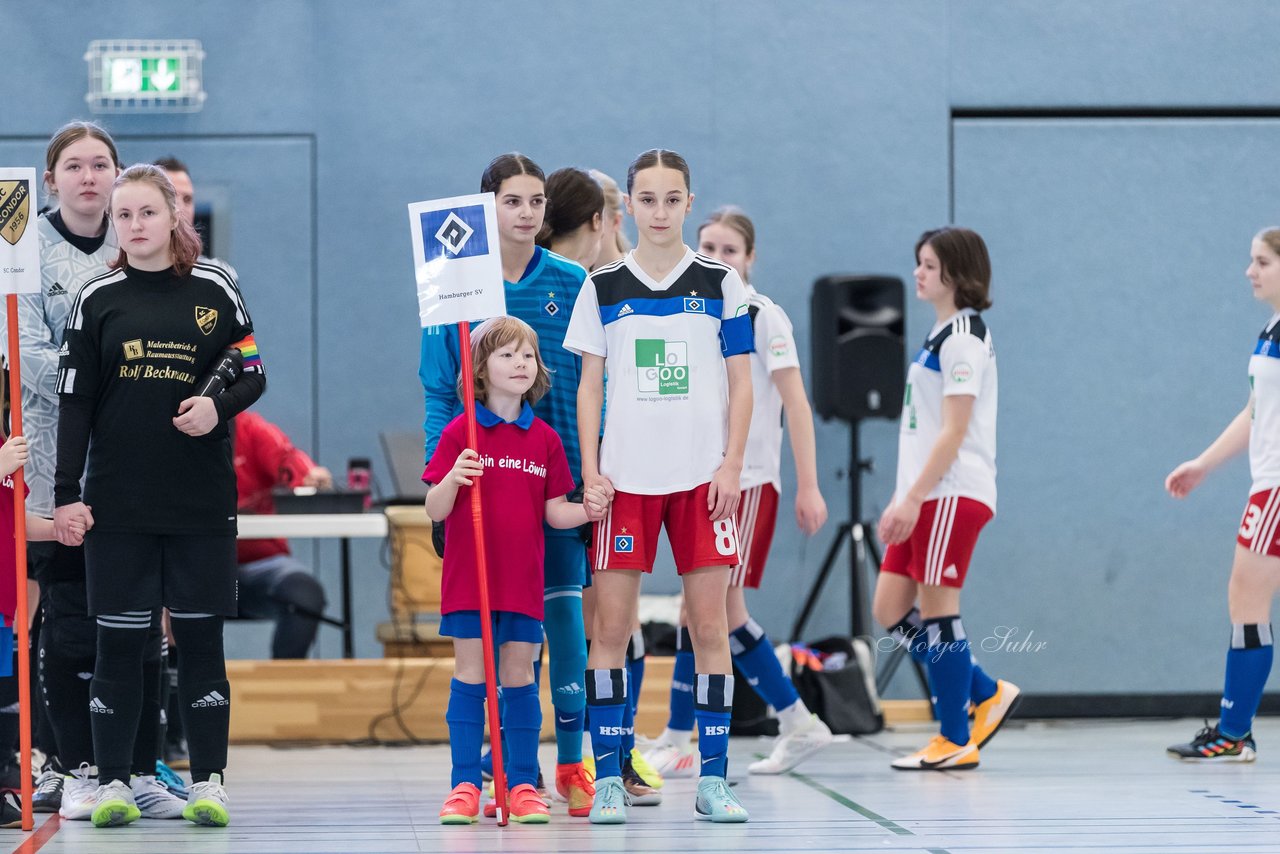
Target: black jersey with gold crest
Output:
[{"x": 136, "y": 344}]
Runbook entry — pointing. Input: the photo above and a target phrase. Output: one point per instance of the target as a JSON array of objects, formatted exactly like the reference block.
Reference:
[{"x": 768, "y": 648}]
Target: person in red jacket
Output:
[{"x": 274, "y": 585}]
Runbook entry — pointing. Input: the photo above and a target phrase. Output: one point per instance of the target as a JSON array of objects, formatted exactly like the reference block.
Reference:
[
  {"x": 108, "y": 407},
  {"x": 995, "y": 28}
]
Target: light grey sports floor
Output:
[{"x": 1055, "y": 786}]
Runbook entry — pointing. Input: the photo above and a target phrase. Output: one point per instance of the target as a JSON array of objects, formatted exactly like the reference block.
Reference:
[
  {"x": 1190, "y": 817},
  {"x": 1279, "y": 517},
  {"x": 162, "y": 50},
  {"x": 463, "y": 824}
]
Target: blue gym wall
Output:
[{"x": 1121, "y": 313}]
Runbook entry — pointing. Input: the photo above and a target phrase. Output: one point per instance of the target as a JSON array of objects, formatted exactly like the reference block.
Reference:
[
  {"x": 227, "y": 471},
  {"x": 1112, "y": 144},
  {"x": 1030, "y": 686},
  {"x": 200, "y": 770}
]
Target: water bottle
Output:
[{"x": 358, "y": 477}]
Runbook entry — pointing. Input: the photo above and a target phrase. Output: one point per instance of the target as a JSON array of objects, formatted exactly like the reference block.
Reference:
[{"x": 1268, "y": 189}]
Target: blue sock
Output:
[
  {"x": 681, "y": 717},
  {"x": 950, "y": 674},
  {"x": 635, "y": 667},
  {"x": 1248, "y": 665},
  {"x": 465, "y": 716},
  {"x": 607, "y": 697},
  {"x": 909, "y": 632},
  {"x": 754, "y": 656},
  {"x": 981, "y": 687},
  {"x": 521, "y": 724},
  {"x": 628, "y": 743},
  {"x": 714, "y": 708},
  {"x": 562, "y": 619}
]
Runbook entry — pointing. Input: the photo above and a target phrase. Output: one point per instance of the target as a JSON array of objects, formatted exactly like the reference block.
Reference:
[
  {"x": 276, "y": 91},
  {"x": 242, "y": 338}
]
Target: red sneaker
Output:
[
  {"x": 575, "y": 786},
  {"x": 462, "y": 806},
  {"x": 526, "y": 806}
]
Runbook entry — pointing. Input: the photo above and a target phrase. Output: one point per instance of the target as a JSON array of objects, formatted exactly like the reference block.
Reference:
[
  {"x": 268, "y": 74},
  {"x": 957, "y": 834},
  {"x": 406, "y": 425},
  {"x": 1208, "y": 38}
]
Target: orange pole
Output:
[
  {"x": 21, "y": 641},
  {"x": 486, "y": 627}
]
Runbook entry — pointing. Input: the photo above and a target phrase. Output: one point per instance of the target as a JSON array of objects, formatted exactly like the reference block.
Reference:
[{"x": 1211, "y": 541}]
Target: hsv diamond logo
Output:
[
  {"x": 624, "y": 544},
  {"x": 695, "y": 305},
  {"x": 454, "y": 233}
]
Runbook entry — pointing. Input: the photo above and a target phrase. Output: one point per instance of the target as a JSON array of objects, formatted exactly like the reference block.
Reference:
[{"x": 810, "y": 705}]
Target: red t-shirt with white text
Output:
[{"x": 524, "y": 467}]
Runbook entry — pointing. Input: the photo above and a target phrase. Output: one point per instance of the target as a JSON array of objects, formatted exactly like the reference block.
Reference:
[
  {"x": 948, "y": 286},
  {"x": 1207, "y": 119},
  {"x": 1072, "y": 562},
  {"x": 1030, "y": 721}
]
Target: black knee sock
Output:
[
  {"x": 9, "y": 713},
  {"x": 166, "y": 696},
  {"x": 64, "y": 690},
  {"x": 116, "y": 701},
  {"x": 203, "y": 692},
  {"x": 144, "y": 746},
  {"x": 174, "y": 733},
  {"x": 42, "y": 734}
]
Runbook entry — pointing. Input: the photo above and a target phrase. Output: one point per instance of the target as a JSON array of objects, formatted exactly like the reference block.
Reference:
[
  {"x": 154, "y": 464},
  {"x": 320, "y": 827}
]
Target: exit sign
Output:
[{"x": 145, "y": 76}]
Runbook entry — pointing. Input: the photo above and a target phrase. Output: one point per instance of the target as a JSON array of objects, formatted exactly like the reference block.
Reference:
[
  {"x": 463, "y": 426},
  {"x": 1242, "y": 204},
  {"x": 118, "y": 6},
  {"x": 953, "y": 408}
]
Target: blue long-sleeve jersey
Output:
[{"x": 543, "y": 298}]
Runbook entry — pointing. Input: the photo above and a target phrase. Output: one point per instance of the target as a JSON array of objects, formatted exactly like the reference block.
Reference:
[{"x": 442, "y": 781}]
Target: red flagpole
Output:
[
  {"x": 482, "y": 570},
  {"x": 21, "y": 641}
]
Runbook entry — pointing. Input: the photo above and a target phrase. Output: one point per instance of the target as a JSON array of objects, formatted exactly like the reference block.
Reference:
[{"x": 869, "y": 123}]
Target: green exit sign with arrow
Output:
[
  {"x": 129, "y": 75},
  {"x": 145, "y": 76}
]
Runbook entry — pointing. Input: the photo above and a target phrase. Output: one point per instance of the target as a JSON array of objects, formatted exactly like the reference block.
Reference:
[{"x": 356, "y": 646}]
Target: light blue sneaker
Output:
[
  {"x": 610, "y": 804},
  {"x": 716, "y": 802},
  {"x": 170, "y": 778}
]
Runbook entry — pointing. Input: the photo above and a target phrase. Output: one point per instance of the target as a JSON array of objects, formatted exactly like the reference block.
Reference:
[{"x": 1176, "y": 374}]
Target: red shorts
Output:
[
  {"x": 1259, "y": 527},
  {"x": 628, "y": 537},
  {"x": 757, "y": 516},
  {"x": 941, "y": 545}
]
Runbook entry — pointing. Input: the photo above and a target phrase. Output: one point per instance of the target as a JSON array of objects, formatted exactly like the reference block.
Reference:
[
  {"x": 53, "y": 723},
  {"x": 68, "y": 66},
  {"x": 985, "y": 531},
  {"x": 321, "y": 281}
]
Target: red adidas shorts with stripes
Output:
[
  {"x": 941, "y": 545},
  {"x": 757, "y": 517},
  {"x": 1260, "y": 526},
  {"x": 627, "y": 538}
]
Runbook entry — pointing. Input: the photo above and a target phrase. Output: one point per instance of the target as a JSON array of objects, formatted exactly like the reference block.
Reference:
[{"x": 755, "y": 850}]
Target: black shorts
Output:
[
  {"x": 68, "y": 629},
  {"x": 141, "y": 572},
  {"x": 67, "y": 626},
  {"x": 39, "y": 558}
]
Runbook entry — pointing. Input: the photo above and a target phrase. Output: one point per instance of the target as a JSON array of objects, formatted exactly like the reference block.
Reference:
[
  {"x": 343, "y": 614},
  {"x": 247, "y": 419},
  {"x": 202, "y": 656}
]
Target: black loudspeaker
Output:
[{"x": 857, "y": 325}]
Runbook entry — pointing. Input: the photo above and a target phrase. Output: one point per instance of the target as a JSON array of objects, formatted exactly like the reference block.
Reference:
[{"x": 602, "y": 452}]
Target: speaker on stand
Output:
[{"x": 859, "y": 370}]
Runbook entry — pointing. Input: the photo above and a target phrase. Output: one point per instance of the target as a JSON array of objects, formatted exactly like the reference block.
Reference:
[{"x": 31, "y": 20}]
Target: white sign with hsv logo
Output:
[{"x": 456, "y": 259}]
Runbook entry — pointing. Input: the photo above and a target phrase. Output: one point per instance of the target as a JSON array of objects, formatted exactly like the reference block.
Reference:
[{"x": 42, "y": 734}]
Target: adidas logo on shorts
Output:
[
  {"x": 213, "y": 698},
  {"x": 99, "y": 707}
]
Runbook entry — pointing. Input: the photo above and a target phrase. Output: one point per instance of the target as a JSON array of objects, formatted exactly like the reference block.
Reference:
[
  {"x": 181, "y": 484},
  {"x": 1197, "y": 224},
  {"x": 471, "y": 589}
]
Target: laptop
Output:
[{"x": 404, "y": 455}]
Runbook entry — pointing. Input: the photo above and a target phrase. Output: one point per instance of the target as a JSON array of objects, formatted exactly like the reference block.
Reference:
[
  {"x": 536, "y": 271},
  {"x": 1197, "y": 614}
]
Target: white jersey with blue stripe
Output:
[
  {"x": 664, "y": 343},
  {"x": 1264, "y": 430},
  {"x": 776, "y": 350},
  {"x": 957, "y": 358}
]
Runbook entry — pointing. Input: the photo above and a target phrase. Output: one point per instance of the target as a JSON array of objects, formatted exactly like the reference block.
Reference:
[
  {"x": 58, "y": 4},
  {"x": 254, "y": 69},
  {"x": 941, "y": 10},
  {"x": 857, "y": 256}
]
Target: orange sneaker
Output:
[
  {"x": 939, "y": 755},
  {"x": 527, "y": 807},
  {"x": 576, "y": 787},
  {"x": 988, "y": 717},
  {"x": 462, "y": 806}
]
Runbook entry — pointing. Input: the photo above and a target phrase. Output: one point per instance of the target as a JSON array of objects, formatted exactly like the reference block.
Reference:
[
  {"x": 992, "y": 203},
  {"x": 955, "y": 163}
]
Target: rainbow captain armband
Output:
[{"x": 249, "y": 351}]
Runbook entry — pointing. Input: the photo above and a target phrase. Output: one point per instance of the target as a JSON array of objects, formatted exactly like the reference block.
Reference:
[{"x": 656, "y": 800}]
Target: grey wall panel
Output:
[
  {"x": 1123, "y": 323},
  {"x": 1102, "y": 53}
]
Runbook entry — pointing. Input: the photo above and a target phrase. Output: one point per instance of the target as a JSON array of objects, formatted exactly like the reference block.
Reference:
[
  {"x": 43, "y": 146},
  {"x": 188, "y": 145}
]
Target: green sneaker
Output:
[
  {"x": 113, "y": 805},
  {"x": 717, "y": 802},
  {"x": 610, "y": 804},
  {"x": 207, "y": 803}
]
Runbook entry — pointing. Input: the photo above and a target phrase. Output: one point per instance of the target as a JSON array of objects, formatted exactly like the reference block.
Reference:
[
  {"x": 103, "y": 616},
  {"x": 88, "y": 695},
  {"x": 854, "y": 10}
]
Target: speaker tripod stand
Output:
[{"x": 864, "y": 558}]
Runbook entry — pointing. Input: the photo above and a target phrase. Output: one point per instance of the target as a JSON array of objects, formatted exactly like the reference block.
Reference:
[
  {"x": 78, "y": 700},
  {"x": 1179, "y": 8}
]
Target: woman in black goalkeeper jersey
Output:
[{"x": 159, "y": 492}]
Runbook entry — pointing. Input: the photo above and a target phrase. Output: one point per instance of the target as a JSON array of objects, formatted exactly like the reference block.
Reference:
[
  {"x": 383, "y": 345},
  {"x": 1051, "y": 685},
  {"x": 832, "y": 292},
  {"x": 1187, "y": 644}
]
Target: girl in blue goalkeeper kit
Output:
[{"x": 541, "y": 288}]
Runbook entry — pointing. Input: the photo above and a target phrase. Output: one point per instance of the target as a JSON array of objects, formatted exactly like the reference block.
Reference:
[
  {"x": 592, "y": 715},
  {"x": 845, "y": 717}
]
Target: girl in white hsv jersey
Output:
[
  {"x": 777, "y": 389},
  {"x": 1255, "y": 571},
  {"x": 946, "y": 493},
  {"x": 671, "y": 327}
]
